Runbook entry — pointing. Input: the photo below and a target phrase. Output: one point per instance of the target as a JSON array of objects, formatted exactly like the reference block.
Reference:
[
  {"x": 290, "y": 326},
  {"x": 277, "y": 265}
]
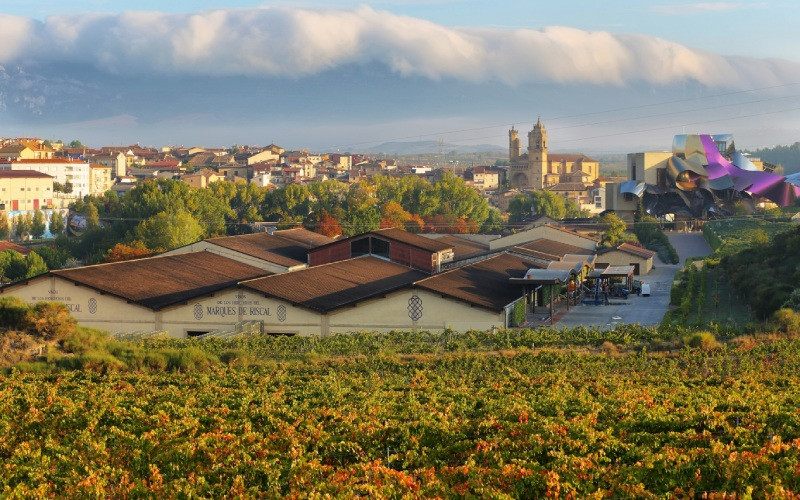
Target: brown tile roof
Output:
[
  {"x": 331, "y": 286},
  {"x": 568, "y": 186},
  {"x": 269, "y": 247},
  {"x": 568, "y": 157},
  {"x": 484, "y": 283},
  {"x": 19, "y": 174},
  {"x": 401, "y": 236},
  {"x": 144, "y": 281},
  {"x": 7, "y": 245},
  {"x": 556, "y": 249},
  {"x": 304, "y": 237},
  {"x": 572, "y": 232},
  {"x": 464, "y": 248},
  {"x": 631, "y": 249}
]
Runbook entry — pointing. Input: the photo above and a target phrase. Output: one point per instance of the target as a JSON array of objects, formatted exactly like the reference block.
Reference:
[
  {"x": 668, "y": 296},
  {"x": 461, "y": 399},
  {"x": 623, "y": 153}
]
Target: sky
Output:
[{"x": 612, "y": 76}]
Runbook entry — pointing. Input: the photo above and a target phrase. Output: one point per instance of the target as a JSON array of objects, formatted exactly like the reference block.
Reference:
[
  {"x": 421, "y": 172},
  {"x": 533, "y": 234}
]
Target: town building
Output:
[
  {"x": 25, "y": 190},
  {"x": 538, "y": 169},
  {"x": 74, "y": 174}
]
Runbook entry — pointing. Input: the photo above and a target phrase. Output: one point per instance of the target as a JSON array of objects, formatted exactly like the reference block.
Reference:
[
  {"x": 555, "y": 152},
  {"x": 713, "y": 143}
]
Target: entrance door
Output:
[
  {"x": 36, "y": 204},
  {"x": 635, "y": 267}
]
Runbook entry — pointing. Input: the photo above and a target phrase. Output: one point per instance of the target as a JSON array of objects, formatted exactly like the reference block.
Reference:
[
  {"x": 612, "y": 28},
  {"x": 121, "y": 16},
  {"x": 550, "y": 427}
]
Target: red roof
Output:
[{"x": 23, "y": 174}]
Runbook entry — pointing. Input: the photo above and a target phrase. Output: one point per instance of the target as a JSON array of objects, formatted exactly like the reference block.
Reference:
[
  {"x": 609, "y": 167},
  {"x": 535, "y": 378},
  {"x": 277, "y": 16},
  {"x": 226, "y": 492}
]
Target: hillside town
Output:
[{"x": 442, "y": 247}]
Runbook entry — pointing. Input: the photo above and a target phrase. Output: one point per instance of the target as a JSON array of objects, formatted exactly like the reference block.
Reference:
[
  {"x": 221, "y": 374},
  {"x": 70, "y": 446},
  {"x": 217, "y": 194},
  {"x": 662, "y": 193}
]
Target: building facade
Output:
[{"x": 538, "y": 169}]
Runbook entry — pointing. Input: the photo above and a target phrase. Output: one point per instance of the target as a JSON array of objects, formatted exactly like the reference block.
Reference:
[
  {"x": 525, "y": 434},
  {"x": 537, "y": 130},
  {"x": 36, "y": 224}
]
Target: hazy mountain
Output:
[{"x": 430, "y": 147}]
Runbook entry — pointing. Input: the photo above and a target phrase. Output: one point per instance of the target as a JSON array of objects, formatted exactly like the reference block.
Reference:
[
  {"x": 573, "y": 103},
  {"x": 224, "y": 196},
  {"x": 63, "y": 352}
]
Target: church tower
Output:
[
  {"x": 537, "y": 155},
  {"x": 513, "y": 145}
]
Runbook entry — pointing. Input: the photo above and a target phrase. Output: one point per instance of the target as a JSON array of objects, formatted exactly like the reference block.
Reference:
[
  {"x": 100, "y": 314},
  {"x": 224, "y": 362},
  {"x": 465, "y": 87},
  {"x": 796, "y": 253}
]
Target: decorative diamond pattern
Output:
[
  {"x": 92, "y": 305},
  {"x": 415, "y": 308},
  {"x": 281, "y": 313},
  {"x": 198, "y": 312}
]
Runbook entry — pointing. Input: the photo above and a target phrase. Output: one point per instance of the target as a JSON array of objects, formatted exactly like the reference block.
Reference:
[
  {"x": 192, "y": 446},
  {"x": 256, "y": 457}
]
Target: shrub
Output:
[
  {"x": 85, "y": 339},
  {"x": 703, "y": 340},
  {"x": 787, "y": 320},
  {"x": 236, "y": 357},
  {"x": 189, "y": 359},
  {"x": 12, "y": 312},
  {"x": 50, "y": 320}
]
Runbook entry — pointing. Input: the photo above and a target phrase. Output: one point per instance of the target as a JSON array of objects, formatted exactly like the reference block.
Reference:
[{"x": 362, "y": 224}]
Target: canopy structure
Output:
[{"x": 536, "y": 278}]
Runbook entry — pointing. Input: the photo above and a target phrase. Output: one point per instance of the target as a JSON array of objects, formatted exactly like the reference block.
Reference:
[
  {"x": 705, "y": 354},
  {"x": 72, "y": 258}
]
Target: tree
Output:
[
  {"x": 34, "y": 265},
  {"x": 494, "y": 222},
  {"x": 361, "y": 220},
  {"x": 121, "y": 252},
  {"x": 328, "y": 226},
  {"x": 22, "y": 226},
  {"x": 92, "y": 216},
  {"x": 614, "y": 230},
  {"x": 548, "y": 203},
  {"x": 4, "y": 231},
  {"x": 53, "y": 256},
  {"x": 76, "y": 144},
  {"x": 56, "y": 223},
  {"x": 13, "y": 265},
  {"x": 38, "y": 224},
  {"x": 165, "y": 231},
  {"x": 393, "y": 215}
]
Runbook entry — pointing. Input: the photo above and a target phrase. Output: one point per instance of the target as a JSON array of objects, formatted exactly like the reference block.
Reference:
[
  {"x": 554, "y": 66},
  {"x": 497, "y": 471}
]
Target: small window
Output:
[
  {"x": 380, "y": 248},
  {"x": 359, "y": 247}
]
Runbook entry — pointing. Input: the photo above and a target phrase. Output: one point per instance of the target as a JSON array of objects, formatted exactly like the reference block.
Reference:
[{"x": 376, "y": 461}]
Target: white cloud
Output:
[{"x": 301, "y": 42}]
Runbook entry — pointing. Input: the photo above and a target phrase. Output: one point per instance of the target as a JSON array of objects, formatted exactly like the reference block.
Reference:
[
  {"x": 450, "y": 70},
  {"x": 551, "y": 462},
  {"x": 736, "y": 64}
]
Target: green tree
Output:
[
  {"x": 38, "y": 224},
  {"x": 494, "y": 222},
  {"x": 165, "y": 231},
  {"x": 92, "y": 216},
  {"x": 4, "y": 230},
  {"x": 614, "y": 228},
  {"x": 56, "y": 223},
  {"x": 22, "y": 226},
  {"x": 548, "y": 203},
  {"x": 76, "y": 144},
  {"x": 361, "y": 220},
  {"x": 13, "y": 265},
  {"x": 54, "y": 257},
  {"x": 34, "y": 265}
]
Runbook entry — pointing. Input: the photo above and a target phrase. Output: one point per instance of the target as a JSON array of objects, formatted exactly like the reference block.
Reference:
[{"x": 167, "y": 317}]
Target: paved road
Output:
[
  {"x": 636, "y": 309},
  {"x": 689, "y": 245}
]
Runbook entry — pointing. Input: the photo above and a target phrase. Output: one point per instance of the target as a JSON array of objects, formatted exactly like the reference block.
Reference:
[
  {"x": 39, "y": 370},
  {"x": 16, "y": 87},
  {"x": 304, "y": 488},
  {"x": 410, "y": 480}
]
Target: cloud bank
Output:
[{"x": 297, "y": 43}]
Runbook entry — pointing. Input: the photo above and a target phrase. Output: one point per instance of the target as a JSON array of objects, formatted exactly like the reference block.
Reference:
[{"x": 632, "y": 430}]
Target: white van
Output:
[{"x": 645, "y": 289}]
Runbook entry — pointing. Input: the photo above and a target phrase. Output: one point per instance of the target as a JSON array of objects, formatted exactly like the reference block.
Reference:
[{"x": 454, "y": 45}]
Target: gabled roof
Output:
[
  {"x": 401, "y": 236},
  {"x": 464, "y": 248},
  {"x": 7, "y": 245},
  {"x": 338, "y": 284},
  {"x": 556, "y": 249},
  {"x": 631, "y": 249},
  {"x": 268, "y": 247},
  {"x": 143, "y": 282},
  {"x": 304, "y": 237},
  {"x": 23, "y": 174},
  {"x": 568, "y": 157},
  {"x": 483, "y": 284}
]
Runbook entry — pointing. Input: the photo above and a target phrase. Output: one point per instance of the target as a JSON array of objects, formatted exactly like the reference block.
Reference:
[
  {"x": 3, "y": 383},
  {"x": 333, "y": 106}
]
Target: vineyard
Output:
[{"x": 419, "y": 416}]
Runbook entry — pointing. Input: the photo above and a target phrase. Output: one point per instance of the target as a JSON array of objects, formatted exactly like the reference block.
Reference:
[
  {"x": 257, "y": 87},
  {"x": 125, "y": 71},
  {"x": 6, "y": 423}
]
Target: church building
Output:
[{"x": 536, "y": 169}]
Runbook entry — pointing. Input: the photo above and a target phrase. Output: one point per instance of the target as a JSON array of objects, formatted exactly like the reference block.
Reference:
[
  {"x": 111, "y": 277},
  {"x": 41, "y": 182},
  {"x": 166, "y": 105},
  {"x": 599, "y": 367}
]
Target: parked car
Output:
[{"x": 645, "y": 289}]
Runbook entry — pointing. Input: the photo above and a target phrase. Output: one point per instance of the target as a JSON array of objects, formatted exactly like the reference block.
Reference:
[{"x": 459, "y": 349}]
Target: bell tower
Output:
[
  {"x": 537, "y": 155},
  {"x": 513, "y": 145}
]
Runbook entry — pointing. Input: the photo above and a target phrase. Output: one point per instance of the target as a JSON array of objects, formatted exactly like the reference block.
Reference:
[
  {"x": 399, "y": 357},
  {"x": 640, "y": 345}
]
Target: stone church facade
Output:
[{"x": 536, "y": 169}]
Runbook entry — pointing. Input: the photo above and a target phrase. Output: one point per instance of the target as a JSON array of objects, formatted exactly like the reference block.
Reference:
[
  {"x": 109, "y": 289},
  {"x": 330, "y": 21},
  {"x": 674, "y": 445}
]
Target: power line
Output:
[{"x": 578, "y": 115}]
